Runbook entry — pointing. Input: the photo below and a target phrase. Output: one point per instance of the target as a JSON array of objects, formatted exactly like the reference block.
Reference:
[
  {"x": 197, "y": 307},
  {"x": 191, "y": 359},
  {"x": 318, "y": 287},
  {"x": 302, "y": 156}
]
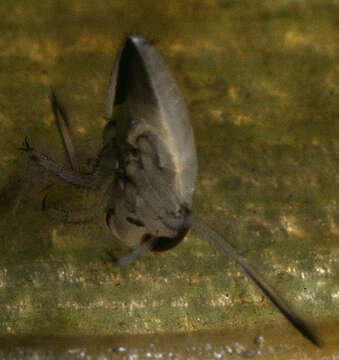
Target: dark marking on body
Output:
[
  {"x": 135, "y": 222},
  {"x": 165, "y": 243}
]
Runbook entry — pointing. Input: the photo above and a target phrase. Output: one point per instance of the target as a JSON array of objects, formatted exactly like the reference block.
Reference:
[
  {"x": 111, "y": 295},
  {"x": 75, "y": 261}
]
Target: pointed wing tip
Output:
[{"x": 137, "y": 39}]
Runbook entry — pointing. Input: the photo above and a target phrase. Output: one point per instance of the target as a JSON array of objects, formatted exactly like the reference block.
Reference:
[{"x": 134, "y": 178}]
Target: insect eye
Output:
[
  {"x": 163, "y": 243},
  {"x": 134, "y": 151}
]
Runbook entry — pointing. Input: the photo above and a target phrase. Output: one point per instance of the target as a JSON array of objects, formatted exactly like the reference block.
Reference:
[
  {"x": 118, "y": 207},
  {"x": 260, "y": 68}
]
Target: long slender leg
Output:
[
  {"x": 111, "y": 89},
  {"x": 62, "y": 122},
  {"x": 231, "y": 252}
]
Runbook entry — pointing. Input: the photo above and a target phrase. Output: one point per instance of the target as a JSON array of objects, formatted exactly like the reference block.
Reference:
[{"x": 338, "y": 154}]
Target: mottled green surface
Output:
[{"x": 260, "y": 83}]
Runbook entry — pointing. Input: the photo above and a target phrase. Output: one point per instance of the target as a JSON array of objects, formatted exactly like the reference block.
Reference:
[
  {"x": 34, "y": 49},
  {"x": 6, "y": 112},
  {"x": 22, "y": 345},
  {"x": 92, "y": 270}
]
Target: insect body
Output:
[
  {"x": 157, "y": 163},
  {"x": 148, "y": 163}
]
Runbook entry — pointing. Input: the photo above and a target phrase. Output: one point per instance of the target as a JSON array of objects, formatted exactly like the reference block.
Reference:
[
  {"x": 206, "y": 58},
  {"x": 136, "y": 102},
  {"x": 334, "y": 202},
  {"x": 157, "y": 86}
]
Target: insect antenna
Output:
[{"x": 223, "y": 245}]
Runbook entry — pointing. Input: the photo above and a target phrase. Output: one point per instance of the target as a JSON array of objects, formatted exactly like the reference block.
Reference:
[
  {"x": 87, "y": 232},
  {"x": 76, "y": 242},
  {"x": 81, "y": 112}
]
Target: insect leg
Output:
[
  {"x": 61, "y": 120},
  {"x": 231, "y": 252},
  {"x": 81, "y": 216},
  {"x": 93, "y": 180},
  {"x": 134, "y": 255}
]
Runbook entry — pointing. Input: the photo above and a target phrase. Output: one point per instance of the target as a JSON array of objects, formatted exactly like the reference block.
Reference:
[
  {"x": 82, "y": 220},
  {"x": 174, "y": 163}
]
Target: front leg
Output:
[{"x": 130, "y": 258}]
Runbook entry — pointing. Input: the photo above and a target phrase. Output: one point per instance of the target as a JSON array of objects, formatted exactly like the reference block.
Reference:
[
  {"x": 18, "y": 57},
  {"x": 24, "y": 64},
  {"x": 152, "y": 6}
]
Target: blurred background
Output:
[{"x": 261, "y": 85}]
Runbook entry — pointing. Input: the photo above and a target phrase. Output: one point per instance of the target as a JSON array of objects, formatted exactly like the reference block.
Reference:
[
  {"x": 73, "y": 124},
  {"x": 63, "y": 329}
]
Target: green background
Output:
[{"x": 260, "y": 82}]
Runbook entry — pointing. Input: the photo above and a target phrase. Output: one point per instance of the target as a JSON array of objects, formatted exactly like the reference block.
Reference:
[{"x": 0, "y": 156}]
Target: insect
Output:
[{"x": 148, "y": 163}]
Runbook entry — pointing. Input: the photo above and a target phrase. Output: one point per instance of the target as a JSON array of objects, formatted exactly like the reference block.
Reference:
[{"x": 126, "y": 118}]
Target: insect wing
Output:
[{"x": 155, "y": 142}]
